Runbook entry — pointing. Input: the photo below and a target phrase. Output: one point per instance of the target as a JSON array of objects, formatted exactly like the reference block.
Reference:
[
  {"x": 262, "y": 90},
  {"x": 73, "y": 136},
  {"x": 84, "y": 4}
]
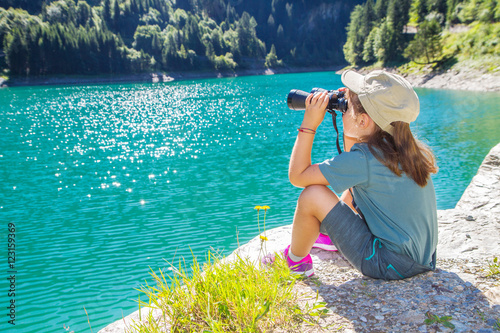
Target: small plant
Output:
[
  {"x": 312, "y": 312},
  {"x": 433, "y": 319},
  {"x": 497, "y": 325},
  {"x": 494, "y": 268},
  {"x": 481, "y": 314},
  {"x": 262, "y": 235},
  {"x": 88, "y": 319}
]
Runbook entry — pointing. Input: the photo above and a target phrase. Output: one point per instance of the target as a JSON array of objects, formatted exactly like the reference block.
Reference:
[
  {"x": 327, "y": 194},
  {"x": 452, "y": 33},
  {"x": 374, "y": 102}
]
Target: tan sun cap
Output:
[{"x": 386, "y": 97}]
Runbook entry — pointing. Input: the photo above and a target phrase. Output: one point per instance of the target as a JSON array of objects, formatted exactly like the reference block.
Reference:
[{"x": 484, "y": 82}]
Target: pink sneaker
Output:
[
  {"x": 324, "y": 242},
  {"x": 305, "y": 266}
]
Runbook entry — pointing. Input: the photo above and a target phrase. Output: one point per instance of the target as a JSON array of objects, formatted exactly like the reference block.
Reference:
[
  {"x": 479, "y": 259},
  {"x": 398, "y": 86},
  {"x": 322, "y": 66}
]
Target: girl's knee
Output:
[
  {"x": 318, "y": 198},
  {"x": 313, "y": 191}
]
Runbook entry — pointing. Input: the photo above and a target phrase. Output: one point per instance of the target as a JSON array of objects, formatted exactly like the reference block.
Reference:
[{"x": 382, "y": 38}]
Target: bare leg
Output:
[{"x": 314, "y": 203}]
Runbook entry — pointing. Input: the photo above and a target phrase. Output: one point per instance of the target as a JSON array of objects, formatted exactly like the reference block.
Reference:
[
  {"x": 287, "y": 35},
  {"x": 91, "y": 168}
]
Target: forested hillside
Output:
[
  {"x": 130, "y": 36},
  {"x": 436, "y": 32},
  {"x": 54, "y": 37}
]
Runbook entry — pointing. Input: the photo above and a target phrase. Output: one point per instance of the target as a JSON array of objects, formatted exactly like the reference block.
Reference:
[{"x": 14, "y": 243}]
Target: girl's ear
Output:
[
  {"x": 364, "y": 120},
  {"x": 366, "y": 124}
]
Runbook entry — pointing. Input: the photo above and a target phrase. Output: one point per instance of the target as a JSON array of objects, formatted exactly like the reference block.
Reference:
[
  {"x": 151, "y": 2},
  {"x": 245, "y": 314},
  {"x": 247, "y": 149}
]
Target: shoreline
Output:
[
  {"x": 156, "y": 77},
  {"x": 465, "y": 78}
]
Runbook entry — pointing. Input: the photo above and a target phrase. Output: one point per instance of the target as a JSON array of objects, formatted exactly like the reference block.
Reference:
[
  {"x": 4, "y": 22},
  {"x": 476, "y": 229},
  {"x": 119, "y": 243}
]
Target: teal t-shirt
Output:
[{"x": 400, "y": 213}]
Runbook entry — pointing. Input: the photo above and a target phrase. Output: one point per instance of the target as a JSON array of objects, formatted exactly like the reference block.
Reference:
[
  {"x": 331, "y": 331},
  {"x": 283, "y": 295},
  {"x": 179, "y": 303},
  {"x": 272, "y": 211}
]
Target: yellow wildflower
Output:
[
  {"x": 264, "y": 238},
  {"x": 258, "y": 207},
  {"x": 265, "y": 207}
]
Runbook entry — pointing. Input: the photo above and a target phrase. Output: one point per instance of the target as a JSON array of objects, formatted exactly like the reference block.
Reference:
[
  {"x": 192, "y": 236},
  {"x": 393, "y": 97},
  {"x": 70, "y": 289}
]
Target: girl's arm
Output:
[{"x": 300, "y": 171}]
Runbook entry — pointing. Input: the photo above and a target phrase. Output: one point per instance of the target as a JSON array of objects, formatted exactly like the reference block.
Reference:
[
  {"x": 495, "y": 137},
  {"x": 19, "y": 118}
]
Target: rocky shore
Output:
[
  {"x": 460, "y": 296},
  {"x": 457, "y": 78},
  {"x": 463, "y": 79}
]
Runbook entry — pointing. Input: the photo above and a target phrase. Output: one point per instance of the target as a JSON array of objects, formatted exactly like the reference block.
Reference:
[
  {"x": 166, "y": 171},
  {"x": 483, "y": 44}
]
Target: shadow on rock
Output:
[{"x": 430, "y": 302}]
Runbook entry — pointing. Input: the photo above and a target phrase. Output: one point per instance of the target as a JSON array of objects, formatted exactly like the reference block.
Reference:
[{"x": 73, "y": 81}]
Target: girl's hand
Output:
[{"x": 315, "y": 110}]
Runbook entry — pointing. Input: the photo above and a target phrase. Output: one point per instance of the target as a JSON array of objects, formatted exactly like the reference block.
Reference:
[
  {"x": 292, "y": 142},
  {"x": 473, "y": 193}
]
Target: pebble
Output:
[
  {"x": 445, "y": 299},
  {"x": 492, "y": 322}
]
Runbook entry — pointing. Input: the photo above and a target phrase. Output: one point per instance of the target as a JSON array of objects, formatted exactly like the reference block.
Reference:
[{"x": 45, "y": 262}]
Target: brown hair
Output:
[{"x": 401, "y": 152}]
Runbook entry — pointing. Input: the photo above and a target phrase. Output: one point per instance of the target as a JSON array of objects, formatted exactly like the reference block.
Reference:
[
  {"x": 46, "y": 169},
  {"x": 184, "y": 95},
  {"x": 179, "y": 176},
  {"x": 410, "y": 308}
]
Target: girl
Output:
[{"x": 391, "y": 230}]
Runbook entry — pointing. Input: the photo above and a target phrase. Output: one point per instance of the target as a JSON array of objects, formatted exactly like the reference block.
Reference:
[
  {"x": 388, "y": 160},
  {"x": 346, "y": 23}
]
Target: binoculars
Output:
[{"x": 297, "y": 99}]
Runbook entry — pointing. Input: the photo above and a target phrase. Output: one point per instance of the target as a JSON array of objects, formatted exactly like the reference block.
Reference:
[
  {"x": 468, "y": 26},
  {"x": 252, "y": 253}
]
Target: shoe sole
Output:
[
  {"x": 326, "y": 247},
  {"x": 308, "y": 273}
]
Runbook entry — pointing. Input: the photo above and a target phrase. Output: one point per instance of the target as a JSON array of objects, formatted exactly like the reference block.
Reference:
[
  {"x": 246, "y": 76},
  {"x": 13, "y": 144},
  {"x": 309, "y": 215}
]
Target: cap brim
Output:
[{"x": 353, "y": 81}]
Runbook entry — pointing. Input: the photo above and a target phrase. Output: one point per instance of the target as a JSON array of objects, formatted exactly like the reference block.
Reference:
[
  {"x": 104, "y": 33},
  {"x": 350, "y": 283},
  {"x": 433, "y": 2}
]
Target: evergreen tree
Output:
[
  {"x": 83, "y": 13},
  {"x": 272, "y": 58},
  {"x": 427, "y": 43},
  {"x": 438, "y": 6},
  {"x": 116, "y": 15},
  {"x": 397, "y": 17},
  {"x": 247, "y": 36},
  {"x": 353, "y": 48},
  {"x": 148, "y": 39},
  {"x": 369, "y": 15},
  {"x": 381, "y": 8},
  {"x": 418, "y": 10},
  {"x": 106, "y": 12},
  {"x": 451, "y": 13},
  {"x": 16, "y": 52},
  {"x": 383, "y": 42},
  {"x": 369, "y": 46}
]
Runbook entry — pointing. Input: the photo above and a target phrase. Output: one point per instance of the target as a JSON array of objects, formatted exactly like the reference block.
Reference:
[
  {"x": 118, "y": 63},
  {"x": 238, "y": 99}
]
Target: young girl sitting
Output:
[{"x": 391, "y": 230}]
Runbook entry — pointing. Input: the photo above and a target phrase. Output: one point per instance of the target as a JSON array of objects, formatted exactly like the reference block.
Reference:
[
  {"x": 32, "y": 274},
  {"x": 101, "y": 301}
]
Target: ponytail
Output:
[{"x": 403, "y": 153}]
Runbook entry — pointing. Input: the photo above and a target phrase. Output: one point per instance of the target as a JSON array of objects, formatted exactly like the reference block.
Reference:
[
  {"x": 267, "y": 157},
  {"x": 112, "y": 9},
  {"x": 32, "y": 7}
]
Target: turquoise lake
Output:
[{"x": 104, "y": 182}]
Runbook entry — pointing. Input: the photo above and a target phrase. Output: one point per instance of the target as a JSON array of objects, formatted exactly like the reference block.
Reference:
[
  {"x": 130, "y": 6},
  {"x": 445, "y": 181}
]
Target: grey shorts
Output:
[{"x": 363, "y": 250}]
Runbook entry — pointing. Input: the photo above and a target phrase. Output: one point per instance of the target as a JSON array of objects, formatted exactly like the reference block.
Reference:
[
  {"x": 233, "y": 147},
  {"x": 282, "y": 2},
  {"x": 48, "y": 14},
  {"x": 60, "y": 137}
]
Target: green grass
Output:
[
  {"x": 222, "y": 296},
  {"x": 444, "y": 320},
  {"x": 493, "y": 268},
  {"x": 497, "y": 325},
  {"x": 227, "y": 296}
]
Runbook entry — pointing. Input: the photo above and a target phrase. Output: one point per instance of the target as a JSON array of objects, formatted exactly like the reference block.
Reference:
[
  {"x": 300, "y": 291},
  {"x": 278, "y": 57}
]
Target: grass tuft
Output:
[
  {"x": 223, "y": 296},
  {"x": 494, "y": 268},
  {"x": 497, "y": 325},
  {"x": 434, "y": 319}
]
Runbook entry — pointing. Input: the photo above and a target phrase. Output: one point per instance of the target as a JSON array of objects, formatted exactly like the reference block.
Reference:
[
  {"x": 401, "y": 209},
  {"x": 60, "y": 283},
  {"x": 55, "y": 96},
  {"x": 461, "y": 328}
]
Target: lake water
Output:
[{"x": 104, "y": 182}]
